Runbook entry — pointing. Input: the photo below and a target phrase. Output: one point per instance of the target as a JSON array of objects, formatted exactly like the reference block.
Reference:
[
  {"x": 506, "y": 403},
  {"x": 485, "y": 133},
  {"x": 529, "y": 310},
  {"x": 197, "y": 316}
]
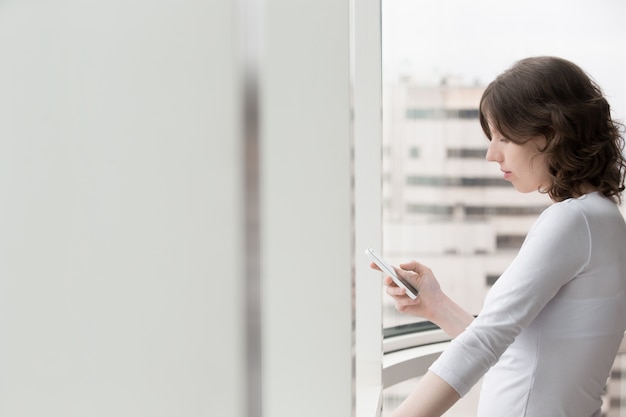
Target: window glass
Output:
[{"x": 444, "y": 205}]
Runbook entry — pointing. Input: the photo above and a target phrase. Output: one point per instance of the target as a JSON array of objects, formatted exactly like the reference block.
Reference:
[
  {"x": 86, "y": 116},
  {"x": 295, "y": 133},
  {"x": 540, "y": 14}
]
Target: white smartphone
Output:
[{"x": 388, "y": 269}]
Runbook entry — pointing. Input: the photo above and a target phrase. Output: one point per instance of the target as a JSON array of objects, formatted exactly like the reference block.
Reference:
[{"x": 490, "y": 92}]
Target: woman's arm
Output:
[{"x": 430, "y": 398}]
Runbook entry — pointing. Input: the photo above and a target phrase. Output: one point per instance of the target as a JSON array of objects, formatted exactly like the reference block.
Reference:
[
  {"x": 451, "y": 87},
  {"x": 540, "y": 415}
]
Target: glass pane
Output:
[{"x": 444, "y": 205}]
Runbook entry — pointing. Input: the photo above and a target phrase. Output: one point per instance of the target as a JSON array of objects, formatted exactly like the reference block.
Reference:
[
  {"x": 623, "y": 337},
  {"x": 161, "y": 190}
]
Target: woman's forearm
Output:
[
  {"x": 450, "y": 317},
  {"x": 430, "y": 398}
]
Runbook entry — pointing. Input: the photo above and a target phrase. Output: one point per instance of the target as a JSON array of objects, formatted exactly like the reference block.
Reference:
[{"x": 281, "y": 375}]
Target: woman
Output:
[{"x": 551, "y": 325}]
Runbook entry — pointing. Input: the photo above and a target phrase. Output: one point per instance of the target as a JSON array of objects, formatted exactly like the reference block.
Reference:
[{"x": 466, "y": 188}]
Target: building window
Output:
[
  {"x": 504, "y": 241},
  {"x": 491, "y": 279},
  {"x": 467, "y": 153},
  {"x": 435, "y": 113},
  {"x": 504, "y": 210},
  {"x": 509, "y": 241},
  {"x": 457, "y": 181}
]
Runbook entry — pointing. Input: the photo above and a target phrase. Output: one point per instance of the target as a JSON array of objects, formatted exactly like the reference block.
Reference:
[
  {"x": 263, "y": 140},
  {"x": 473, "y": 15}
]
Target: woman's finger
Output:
[
  {"x": 388, "y": 281},
  {"x": 374, "y": 266}
]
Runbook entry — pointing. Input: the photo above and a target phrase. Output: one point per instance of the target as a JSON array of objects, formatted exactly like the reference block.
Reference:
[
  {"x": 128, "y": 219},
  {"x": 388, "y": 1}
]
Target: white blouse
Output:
[{"x": 551, "y": 325}]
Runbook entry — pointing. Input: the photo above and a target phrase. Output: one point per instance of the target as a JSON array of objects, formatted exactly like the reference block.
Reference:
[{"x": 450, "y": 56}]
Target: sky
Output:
[{"x": 477, "y": 40}]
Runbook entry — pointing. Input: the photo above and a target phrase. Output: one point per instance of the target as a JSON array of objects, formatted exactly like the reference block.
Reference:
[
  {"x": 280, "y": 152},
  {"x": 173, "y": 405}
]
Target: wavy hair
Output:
[{"x": 552, "y": 97}]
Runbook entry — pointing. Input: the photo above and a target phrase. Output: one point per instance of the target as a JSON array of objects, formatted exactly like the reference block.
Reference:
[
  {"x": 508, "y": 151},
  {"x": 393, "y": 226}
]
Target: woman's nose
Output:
[{"x": 493, "y": 155}]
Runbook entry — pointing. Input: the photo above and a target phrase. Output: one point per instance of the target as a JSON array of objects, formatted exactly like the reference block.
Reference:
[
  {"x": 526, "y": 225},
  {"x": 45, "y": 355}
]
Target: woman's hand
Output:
[
  {"x": 423, "y": 280},
  {"x": 431, "y": 302}
]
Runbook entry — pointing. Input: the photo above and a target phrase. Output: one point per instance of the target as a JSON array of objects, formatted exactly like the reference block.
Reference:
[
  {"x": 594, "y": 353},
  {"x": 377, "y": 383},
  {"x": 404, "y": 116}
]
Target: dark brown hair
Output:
[{"x": 554, "y": 98}]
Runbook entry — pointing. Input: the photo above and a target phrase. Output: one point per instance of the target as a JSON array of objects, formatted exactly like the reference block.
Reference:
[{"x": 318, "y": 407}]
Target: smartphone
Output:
[{"x": 389, "y": 270}]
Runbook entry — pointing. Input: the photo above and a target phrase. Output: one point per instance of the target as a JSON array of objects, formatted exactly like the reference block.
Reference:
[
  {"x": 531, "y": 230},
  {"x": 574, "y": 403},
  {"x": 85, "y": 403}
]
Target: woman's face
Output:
[{"x": 523, "y": 165}]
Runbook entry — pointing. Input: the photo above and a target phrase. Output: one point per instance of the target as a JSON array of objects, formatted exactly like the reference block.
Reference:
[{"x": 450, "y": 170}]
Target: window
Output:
[
  {"x": 442, "y": 114},
  {"x": 457, "y": 181},
  {"x": 509, "y": 241},
  {"x": 467, "y": 153},
  {"x": 504, "y": 210},
  {"x": 492, "y": 278},
  {"x": 454, "y": 212}
]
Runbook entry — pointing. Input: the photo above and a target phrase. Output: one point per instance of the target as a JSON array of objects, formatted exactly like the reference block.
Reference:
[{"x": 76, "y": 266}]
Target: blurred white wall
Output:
[
  {"x": 122, "y": 287},
  {"x": 119, "y": 167}
]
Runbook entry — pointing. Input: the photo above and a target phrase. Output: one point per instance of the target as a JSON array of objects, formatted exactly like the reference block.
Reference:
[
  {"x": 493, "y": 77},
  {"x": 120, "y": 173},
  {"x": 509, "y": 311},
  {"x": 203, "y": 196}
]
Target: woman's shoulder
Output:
[
  {"x": 581, "y": 213},
  {"x": 587, "y": 203},
  {"x": 568, "y": 214}
]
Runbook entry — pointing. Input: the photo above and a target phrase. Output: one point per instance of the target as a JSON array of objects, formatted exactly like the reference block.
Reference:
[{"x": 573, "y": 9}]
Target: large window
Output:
[{"x": 444, "y": 205}]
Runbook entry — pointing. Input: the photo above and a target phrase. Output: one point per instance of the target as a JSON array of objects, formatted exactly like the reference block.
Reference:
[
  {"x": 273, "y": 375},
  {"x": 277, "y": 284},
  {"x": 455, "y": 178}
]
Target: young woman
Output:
[{"x": 551, "y": 326}]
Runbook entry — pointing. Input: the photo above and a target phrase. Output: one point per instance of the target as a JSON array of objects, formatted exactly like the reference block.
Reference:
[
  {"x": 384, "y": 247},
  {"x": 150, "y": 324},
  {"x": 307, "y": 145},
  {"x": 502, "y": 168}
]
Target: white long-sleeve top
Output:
[{"x": 551, "y": 325}]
